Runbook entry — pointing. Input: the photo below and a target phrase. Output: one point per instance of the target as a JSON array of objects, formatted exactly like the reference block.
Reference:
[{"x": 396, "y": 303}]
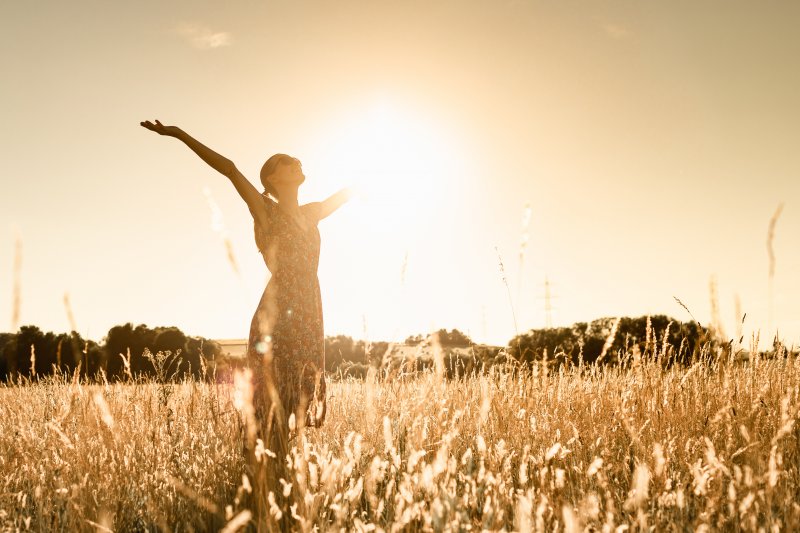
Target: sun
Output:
[
  {"x": 406, "y": 167},
  {"x": 401, "y": 164}
]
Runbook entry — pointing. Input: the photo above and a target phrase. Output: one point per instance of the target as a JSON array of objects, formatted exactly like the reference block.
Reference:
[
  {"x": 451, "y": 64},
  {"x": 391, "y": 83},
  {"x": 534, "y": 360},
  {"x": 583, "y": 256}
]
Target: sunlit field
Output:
[{"x": 714, "y": 445}]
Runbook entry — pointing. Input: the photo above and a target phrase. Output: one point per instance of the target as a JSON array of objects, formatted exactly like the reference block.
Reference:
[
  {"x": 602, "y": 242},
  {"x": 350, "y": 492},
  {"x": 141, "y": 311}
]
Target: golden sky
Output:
[{"x": 652, "y": 141}]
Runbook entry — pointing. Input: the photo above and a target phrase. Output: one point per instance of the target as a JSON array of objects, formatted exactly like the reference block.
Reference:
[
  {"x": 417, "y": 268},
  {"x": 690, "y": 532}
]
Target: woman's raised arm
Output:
[
  {"x": 332, "y": 203},
  {"x": 220, "y": 163}
]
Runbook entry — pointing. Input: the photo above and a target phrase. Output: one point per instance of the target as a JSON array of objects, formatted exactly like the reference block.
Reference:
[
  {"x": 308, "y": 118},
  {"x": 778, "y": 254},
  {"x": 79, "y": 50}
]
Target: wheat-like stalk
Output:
[
  {"x": 655, "y": 447},
  {"x": 17, "y": 298},
  {"x": 771, "y": 254}
]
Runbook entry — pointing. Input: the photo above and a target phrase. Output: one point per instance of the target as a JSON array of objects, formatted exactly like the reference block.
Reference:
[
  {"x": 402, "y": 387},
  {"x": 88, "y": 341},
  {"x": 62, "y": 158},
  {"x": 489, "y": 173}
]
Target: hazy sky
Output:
[{"x": 653, "y": 141}]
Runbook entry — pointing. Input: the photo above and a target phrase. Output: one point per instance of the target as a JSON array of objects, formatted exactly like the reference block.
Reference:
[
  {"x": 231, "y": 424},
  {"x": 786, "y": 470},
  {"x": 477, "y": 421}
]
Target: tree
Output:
[
  {"x": 633, "y": 331},
  {"x": 173, "y": 340},
  {"x": 338, "y": 349},
  {"x": 7, "y": 346},
  {"x": 185, "y": 352},
  {"x": 374, "y": 352},
  {"x": 587, "y": 341},
  {"x": 69, "y": 349},
  {"x": 94, "y": 360},
  {"x": 197, "y": 349},
  {"x": 120, "y": 341},
  {"x": 413, "y": 340},
  {"x": 453, "y": 338},
  {"x": 35, "y": 353},
  {"x": 545, "y": 344},
  {"x": 342, "y": 349},
  {"x": 169, "y": 339}
]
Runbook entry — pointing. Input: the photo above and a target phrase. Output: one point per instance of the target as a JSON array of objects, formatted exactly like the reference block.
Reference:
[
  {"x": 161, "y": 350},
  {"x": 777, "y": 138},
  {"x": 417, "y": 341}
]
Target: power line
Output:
[{"x": 548, "y": 303}]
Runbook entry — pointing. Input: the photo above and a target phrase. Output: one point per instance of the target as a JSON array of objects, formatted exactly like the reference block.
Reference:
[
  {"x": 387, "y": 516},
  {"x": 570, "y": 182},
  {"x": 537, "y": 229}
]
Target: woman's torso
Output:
[{"x": 287, "y": 248}]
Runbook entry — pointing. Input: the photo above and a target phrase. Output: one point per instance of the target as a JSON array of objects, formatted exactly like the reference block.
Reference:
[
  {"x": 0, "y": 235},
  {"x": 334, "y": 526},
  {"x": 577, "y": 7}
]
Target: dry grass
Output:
[{"x": 712, "y": 446}]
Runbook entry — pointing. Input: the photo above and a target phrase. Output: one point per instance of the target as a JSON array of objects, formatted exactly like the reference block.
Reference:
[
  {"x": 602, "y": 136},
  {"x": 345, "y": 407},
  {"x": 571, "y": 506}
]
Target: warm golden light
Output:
[
  {"x": 624, "y": 127},
  {"x": 405, "y": 165},
  {"x": 400, "y": 162}
]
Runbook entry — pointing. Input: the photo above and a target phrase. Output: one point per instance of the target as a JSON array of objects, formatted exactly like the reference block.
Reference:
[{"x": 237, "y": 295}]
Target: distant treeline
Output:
[
  {"x": 606, "y": 340},
  {"x": 343, "y": 352},
  {"x": 128, "y": 351},
  {"x": 645, "y": 336},
  {"x": 124, "y": 352}
]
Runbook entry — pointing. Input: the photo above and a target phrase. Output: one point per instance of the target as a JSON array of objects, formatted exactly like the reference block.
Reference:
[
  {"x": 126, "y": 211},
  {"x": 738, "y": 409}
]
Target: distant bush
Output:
[
  {"x": 32, "y": 352},
  {"x": 354, "y": 370},
  {"x": 676, "y": 342}
]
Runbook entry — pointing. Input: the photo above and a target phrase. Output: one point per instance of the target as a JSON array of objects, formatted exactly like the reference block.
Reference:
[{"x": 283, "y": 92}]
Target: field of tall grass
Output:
[{"x": 707, "y": 447}]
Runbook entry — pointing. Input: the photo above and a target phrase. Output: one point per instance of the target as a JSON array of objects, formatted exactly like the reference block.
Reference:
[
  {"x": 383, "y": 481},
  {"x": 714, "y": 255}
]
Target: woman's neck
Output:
[{"x": 288, "y": 199}]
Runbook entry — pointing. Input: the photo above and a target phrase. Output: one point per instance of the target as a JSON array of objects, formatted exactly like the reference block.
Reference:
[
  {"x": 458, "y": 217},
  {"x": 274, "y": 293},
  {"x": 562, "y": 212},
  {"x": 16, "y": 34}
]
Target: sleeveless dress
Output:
[{"x": 286, "y": 346}]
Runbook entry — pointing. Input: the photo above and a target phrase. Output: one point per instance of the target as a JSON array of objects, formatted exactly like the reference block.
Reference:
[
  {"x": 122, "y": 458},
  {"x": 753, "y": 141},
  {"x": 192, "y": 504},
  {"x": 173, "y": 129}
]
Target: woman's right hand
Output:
[{"x": 158, "y": 127}]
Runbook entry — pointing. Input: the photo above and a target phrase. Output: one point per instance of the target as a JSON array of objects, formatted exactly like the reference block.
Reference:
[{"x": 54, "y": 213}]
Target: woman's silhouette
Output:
[{"x": 286, "y": 348}]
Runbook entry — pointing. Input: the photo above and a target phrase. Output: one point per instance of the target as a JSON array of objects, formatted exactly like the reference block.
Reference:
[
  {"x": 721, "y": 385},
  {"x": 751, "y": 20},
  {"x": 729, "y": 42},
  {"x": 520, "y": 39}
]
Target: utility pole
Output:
[{"x": 548, "y": 303}]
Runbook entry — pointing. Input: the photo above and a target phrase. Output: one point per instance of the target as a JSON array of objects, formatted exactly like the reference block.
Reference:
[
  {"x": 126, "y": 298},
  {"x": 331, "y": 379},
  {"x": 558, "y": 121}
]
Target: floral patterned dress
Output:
[{"x": 286, "y": 347}]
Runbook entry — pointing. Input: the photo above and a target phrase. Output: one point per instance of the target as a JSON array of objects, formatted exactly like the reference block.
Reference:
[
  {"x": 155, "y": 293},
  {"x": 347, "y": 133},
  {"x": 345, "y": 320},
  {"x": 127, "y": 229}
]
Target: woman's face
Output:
[{"x": 288, "y": 172}]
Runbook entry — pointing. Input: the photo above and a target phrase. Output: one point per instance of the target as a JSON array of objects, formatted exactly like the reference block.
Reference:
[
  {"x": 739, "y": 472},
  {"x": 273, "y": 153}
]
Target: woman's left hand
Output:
[{"x": 158, "y": 127}]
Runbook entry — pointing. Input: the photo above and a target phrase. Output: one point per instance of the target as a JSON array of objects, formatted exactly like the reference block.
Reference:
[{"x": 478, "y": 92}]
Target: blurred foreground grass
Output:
[{"x": 712, "y": 446}]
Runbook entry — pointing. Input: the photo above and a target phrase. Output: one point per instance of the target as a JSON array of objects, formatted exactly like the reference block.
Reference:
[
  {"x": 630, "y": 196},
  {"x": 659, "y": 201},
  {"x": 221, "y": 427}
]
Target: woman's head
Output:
[{"x": 279, "y": 172}]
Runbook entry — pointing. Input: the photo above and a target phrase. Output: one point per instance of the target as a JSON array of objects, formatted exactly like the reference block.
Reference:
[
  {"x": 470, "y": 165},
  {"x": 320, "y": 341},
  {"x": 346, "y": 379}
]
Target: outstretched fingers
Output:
[{"x": 158, "y": 127}]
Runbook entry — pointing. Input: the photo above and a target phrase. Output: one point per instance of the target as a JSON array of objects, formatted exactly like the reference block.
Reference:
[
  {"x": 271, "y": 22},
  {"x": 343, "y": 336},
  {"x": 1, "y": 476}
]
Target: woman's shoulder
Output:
[{"x": 312, "y": 211}]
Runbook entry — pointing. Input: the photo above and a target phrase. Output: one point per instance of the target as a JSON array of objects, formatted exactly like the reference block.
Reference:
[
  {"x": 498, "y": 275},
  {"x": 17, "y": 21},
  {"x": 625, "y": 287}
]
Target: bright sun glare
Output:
[
  {"x": 405, "y": 167},
  {"x": 399, "y": 162}
]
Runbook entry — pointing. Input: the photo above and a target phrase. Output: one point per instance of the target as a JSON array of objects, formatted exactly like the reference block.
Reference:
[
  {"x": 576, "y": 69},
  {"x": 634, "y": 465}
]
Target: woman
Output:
[{"x": 286, "y": 348}]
